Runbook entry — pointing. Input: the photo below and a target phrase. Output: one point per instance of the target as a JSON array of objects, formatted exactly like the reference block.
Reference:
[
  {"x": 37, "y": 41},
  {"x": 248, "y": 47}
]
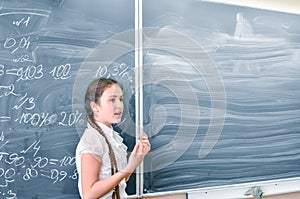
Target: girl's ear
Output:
[{"x": 94, "y": 107}]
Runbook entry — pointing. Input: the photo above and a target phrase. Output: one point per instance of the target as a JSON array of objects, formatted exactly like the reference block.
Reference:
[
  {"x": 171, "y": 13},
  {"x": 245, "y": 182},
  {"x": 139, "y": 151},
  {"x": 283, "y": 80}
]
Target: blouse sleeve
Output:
[{"x": 91, "y": 142}]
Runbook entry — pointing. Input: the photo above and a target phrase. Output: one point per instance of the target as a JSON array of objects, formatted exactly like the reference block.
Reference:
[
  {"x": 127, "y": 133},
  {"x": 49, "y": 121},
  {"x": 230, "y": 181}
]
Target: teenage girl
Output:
[{"x": 101, "y": 157}]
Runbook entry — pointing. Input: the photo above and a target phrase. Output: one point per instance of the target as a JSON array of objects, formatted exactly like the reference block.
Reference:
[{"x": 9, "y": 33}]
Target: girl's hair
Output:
[
  {"x": 93, "y": 94},
  {"x": 95, "y": 91}
]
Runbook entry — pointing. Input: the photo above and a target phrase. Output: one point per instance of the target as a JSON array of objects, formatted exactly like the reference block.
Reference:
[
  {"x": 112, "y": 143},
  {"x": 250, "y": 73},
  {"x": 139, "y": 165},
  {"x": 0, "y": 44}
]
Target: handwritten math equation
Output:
[
  {"x": 28, "y": 164},
  {"x": 25, "y": 69},
  {"x": 23, "y": 160}
]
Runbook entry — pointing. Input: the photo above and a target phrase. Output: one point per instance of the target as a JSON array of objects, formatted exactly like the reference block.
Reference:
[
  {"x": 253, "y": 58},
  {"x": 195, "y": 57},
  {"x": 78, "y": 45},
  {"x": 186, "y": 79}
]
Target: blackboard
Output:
[
  {"x": 221, "y": 94},
  {"x": 220, "y": 91},
  {"x": 50, "y": 52}
]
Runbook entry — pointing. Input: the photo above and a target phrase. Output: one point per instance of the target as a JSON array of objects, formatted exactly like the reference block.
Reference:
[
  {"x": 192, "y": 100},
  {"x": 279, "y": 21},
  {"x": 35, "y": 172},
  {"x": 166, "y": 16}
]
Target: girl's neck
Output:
[{"x": 104, "y": 123}]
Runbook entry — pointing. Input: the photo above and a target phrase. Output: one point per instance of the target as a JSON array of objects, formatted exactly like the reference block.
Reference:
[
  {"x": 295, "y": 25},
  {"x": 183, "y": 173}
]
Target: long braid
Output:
[
  {"x": 112, "y": 156},
  {"x": 111, "y": 152}
]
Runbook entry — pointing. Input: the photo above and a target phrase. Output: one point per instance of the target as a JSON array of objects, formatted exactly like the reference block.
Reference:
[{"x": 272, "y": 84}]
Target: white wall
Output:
[{"x": 290, "y": 6}]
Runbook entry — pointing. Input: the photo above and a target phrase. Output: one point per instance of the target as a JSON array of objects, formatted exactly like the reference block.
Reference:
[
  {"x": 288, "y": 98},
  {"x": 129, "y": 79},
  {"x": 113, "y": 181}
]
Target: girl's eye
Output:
[{"x": 115, "y": 100}]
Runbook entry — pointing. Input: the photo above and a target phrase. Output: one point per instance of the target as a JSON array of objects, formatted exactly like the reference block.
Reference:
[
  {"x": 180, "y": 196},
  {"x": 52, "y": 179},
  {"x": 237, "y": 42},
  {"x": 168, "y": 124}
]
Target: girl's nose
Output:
[{"x": 120, "y": 104}]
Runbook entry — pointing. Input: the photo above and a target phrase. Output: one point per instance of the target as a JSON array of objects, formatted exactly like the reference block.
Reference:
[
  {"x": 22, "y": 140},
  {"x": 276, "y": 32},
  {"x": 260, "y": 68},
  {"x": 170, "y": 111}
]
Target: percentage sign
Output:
[
  {"x": 47, "y": 120},
  {"x": 124, "y": 69},
  {"x": 79, "y": 118}
]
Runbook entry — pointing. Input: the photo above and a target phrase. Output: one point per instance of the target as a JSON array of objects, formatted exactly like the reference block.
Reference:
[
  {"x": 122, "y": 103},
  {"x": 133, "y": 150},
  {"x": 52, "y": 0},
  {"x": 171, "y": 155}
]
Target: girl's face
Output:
[{"x": 110, "y": 108}]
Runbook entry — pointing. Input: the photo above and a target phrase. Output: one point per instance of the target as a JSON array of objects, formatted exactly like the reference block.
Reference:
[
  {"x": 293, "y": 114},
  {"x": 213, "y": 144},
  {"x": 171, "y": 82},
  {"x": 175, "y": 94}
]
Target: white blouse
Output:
[{"x": 93, "y": 142}]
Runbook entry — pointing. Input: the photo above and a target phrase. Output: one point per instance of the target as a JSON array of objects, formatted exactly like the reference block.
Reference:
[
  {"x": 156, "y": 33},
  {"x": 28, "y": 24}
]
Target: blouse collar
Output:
[{"x": 107, "y": 130}]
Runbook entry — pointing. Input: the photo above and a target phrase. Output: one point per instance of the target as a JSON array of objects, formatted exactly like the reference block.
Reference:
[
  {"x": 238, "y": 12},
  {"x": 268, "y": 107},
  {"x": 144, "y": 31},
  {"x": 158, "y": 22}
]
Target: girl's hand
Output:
[
  {"x": 146, "y": 146},
  {"x": 141, "y": 149}
]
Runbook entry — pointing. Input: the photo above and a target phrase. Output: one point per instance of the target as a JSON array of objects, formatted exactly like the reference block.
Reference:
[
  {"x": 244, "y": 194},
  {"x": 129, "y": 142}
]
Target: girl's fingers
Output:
[
  {"x": 143, "y": 136},
  {"x": 136, "y": 147},
  {"x": 141, "y": 148},
  {"x": 143, "y": 145},
  {"x": 145, "y": 141}
]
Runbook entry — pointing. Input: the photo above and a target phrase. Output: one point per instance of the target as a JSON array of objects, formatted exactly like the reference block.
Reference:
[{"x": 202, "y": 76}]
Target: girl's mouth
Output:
[{"x": 118, "y": 113}]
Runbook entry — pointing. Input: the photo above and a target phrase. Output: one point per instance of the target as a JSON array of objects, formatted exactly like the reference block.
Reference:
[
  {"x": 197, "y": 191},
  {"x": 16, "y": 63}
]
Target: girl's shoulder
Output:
[
  {"x": 91, "y": 134},
  {"x": 91, "y": 141}
]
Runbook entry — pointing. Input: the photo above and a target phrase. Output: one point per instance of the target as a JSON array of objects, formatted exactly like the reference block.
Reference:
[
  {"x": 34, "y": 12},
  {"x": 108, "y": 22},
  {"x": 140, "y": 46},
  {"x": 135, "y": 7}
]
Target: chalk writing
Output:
[
  {"x": 67, "y": 161},
  {"x": 17, "y": 167},
  {"x": 55, "y": 175},
  {"x": 30, "y": 162},
  {"x": 36, "y": 119},
  {"x": 8, "y": 176},
  {"x": 42, "y": 50},
  {"x": 120, "y": 70},
  {"x": 15, "y": 159},
  {"x": 4, "y": 118},
  {"x": 1, "y": 69},
  {"x": 30, "y": 72},
  {"x": 23, "y": 20},
  {"x": 45, "y": 119},
  {"x": 28, "y": 102},
  {"x": 2, "y": 137},
  {"x": 35, "y": 146},
  {"x": 16, "y": 44},
  {"x": 7, "y": 90},
  {"x": 3, "y": 142},
  {"x": 9, "y": 194},
  {"x": 30, "y": 173},
  {"x": 23, "y": 58},
  {"x": 61, "y": 72},
  {"x": 27, "y": 73},
  {"x": 71, "y": 119},
  {"x": 38, "y": 167},
  {"x": 38, "y": 12}
]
